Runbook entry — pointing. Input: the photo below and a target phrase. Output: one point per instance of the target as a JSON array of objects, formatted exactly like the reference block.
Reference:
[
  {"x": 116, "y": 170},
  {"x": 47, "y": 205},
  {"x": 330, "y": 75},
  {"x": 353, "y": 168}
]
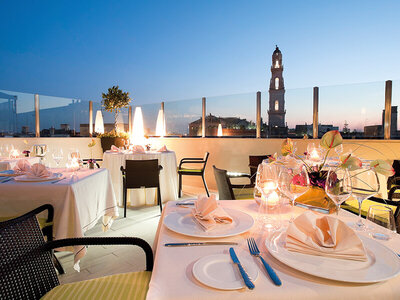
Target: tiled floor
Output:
[{"x": 107, "y": 260}]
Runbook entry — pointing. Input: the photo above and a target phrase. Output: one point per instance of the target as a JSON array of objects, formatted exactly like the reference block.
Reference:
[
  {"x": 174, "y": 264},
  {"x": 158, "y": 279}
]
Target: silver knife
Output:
[
  {"x": 246, "y": 277},
  {"x": 198, "y": 244},
  {"x": 184, "y": 203}
]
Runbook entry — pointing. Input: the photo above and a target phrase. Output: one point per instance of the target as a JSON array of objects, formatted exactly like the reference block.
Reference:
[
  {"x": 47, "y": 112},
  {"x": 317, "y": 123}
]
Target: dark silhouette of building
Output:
[{"x": 276, "y": 112}]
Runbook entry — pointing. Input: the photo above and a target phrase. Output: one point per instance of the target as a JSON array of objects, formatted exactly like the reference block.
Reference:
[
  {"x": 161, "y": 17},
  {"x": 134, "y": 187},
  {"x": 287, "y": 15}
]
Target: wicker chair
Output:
[
  {"x": 141, "y": 173},
  {"x": 192, "y": 171},
  {"x": 27, "y": 271},
  {"x": 46, "y": 225},
  {"x": 229, "y": 191}
]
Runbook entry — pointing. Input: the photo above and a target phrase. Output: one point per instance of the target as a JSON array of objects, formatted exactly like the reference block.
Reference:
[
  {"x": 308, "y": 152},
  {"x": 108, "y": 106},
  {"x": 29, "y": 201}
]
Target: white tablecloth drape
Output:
[
  {"x": 172, "y": 273},
  {"x": 78, "y": 204},
  {"x": 139, "y": 197},
  {"x": 8, "y": 164}
]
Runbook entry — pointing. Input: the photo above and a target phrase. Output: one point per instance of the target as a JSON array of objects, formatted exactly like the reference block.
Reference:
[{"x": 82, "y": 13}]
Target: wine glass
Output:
[
  {"x": 365, "y": 184},
  {"x": 58, "y": 156},
  {"x": 266, "y": 185},
  {"x": 293, "y": 182},
  {"x": 338, "y": 186},
  {"x": 383, "y": 216}
]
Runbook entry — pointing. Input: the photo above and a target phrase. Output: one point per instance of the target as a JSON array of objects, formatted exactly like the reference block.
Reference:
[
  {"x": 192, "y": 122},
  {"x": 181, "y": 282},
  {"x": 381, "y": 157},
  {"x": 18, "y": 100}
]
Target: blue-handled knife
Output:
[{"x": 246, "y": 277}]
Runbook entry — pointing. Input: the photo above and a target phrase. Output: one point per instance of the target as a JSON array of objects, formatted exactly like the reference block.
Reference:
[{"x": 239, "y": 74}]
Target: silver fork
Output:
[{"x": 255, "y": 252}]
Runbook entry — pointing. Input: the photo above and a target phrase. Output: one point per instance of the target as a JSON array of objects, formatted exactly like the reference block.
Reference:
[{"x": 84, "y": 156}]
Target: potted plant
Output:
[{"x": 113, "y": 102}]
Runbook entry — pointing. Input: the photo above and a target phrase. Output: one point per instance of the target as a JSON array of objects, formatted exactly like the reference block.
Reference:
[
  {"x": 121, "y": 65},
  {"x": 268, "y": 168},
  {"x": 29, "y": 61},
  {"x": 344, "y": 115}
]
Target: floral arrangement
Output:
[
  {"x": 329, "y": 141},
  {"x": 114, "y": 134},
  {"x": 26, "y": 152}
]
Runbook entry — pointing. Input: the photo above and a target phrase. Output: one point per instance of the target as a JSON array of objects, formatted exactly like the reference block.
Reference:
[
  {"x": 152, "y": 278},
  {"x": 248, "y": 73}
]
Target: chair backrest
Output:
[
  {"x": 26, "y": 272},
  {"x": 225, "y": 191},
  {"x": 142, "y": 173},
  {"x": 206, "y": 155},
  {"x": 254, "y": 161},
  {"x": 392, "y": 179}
]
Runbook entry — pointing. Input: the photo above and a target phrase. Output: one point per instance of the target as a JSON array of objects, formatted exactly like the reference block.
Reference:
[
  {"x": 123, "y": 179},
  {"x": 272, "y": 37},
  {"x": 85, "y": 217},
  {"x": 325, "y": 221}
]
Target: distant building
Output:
[
  {"x": 276, "y": 112},
  {"x": 301, "y": 130},
  {"x": 374, "y": 131},
  {"x": 231, "y": 126}
]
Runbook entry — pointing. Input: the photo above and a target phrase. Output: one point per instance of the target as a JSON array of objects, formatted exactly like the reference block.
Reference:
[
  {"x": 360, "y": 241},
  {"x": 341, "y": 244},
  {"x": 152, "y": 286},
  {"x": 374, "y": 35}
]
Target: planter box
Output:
[{"x": 107, "y": 142}]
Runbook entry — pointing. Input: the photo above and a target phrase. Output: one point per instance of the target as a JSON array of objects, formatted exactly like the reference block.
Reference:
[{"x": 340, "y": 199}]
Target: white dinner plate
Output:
[
  {"x": 219, "y": 271},
  {"x": 24, "y": 178},
  {"x": 182, "y": 222},
  {"x": 382, "y": 263}
]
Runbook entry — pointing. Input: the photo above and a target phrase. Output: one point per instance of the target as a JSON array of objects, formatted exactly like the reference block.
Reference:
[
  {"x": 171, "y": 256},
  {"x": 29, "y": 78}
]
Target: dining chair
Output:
[
  {"x": 193, "y": 171},
  {"x": 254, "y": 161},
  {"x": 46, "y": 226},
  {"x": 141, "y": 173},
  {"x": 393, "y": 182},
  {"x": 27, "y": 271},
  {"x": 229, "y": 191}
]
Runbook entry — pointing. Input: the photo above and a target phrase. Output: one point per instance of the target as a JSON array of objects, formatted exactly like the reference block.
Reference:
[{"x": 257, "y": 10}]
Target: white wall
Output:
[{"x": 226, "y": 153}]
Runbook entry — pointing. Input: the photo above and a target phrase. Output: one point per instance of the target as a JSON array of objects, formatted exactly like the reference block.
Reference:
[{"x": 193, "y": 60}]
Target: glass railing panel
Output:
[
  {"x": 355, "y": 110},
  {"x": 230, "y": 115},
  {"x": 109, "y": 118},
  {"x": 63, "y": 117},
  {"x": 150, "y": 116},
  {"x": 395, "y": 134},
  {"x": 180, "y": 115},
  {"x": 17, "y": 114}
]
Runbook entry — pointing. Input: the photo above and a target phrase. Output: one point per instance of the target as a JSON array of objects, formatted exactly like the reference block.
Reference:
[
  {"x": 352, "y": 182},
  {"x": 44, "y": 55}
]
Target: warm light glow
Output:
[
  {"x": 276, "y": 105},
  {"x": 137, "y": 137},
  {"x": 73, "y": 164},
  {"x": 99, "y": 124},
  {"x": 276, "y": 64},
  {"x": 120, "y": 123},
  {"x": 314, "y": 155},
  {"x": 269, "y": 186},
  {"x": 160, "y": 127},
  {"x": 219, "y": 133},
  {"x": 273, "y": 199},
  {"x": 276, "y": 83},
  {"x": 14, "y": 153}
]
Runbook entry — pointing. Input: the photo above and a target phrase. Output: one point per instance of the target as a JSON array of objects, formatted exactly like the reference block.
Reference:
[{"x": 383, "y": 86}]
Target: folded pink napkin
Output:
[
  {"x": 163, "y": 149},
  {"x": 39, "y": 170},
  {"x": 208, "y": 214},
  {"x": 314, "y": 234},
  {"x": 22, "y": 166},
  {"x": 137, "y": 149},
  {"x": 115, "y": 149}
]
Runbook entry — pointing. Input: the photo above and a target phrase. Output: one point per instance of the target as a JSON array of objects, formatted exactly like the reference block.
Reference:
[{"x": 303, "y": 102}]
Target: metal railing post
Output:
[
  {"x": 130, "y": 124},
  {"x": 37, "y": 120},
  {"x": 315, "y": 112},
  {"x": 258, "y": 115},
  {"x": 388, "y": 109},
  {"x": 90, "y": 118},
  {"x": 203, "y": 119}
]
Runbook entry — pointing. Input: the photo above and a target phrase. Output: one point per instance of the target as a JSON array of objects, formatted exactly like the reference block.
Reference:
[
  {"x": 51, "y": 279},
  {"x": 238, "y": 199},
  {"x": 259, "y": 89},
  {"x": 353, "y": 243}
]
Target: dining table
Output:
[
  {"x": 80, "y": 199},
  {"x": 175, "y": 268},
  {"x": 113, "y": 161},
  {"x": 9, "y": 163}
]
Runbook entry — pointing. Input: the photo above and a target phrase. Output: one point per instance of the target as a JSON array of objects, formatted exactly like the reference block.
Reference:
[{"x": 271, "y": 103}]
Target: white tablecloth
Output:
[
  {"x": 172, "y": 274},
  {"x": 8, "y": 164},
  {"x": 77, "y": 205},
  {"x": 139, "y": 197}
]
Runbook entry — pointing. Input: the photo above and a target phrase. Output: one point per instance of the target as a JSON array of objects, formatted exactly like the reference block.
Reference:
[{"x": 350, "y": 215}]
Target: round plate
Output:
[
  {"x": 382, "y": 263},
  {"x": 25, "y": 178},
  {"x": 182, "y": 222},
  {"x": 219, "y": 271}
]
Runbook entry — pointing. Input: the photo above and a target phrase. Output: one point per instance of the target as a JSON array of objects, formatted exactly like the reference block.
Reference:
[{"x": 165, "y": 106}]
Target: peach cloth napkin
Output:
[
  {"x": 314, "y": 234},
  {"x": 39, "y": 170},
  {"x": 115, "y": 149},
  {"x": 208, "y": 214},
  {"x": 163, "y": 149},
  {"x": 22, "y": 166},
  {"x": 137, "y": 149}
]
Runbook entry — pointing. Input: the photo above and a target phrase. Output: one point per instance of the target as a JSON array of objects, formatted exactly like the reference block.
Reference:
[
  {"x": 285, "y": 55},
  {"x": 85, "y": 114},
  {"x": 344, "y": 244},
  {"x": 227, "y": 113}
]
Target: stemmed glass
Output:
[
  {"x": 293, "y": 182},
  {"x": 365, "y": 184},
  {"x": 383, "y": 216},
  {"x": 338, "y": 186},
  {"x": 58, "y": 156},
  {"x": 266, "y": 184}
]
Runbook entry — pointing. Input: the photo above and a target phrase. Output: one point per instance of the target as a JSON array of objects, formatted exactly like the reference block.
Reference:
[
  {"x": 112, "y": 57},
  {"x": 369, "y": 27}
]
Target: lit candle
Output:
[
  {"x": 314, "y": 155},
  {"x": 73, "y": 165},
  {"x": 273, "y": 199},
  {"x": 269, "y": 186}
]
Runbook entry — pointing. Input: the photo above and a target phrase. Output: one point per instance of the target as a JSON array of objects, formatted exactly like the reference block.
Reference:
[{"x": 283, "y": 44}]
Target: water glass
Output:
[
  {"x": 338, "y": 186},
  {"x": 383, "y": 216},
  {"x": 58, "y": 156}
]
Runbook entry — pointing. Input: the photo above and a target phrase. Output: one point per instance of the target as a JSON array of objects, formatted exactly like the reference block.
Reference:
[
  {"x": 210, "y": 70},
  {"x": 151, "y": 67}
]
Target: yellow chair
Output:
[{"x": 229, "y": 191}]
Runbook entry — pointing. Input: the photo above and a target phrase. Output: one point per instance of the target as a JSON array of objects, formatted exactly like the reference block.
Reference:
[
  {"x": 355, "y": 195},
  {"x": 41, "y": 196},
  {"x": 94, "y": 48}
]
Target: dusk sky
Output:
[{"x": 171, "y": 50}]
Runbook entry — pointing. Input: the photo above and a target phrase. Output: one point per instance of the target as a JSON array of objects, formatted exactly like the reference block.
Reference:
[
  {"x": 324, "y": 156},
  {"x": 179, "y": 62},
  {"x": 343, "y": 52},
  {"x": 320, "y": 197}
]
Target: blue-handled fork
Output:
[{"x": 256, "y": 252}]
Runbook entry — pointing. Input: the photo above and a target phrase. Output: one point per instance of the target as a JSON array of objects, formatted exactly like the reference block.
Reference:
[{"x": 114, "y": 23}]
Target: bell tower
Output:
[{"x": 276, "y": 111}]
